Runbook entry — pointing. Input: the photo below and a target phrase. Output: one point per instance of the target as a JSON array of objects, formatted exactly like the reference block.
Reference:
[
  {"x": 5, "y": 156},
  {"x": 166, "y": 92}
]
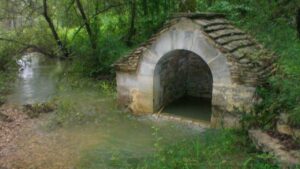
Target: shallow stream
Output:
[{"x": 101, "y": 137}]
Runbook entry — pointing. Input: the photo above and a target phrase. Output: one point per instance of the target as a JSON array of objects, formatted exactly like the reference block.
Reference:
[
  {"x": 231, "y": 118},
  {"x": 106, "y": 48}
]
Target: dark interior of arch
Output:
[{"x": 183, "y": 85}]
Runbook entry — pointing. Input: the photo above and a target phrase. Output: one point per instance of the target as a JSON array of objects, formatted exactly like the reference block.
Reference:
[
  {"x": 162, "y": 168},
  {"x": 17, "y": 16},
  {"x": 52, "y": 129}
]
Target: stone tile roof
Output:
[
  {"x": 250, "y": 62},
  {"x": 130, "y": 62}
]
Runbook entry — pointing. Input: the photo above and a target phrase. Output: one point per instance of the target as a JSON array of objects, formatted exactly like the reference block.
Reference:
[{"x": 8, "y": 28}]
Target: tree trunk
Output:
[
  {"x": 187, "y": 5},
  {"x": 29, "y": 46},
  {"x": 132, "y": 22},
  {"x": 87, "y": 25},
  {"x": 210, "y": 2},
  {"x": 298, "y": 22},
  {"x": 145, "y": 7},
  {"x": 54, "y": 33}
]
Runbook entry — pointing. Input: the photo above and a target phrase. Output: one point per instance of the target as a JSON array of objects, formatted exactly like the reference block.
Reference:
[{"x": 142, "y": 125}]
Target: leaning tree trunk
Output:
[
  {"x": 298, "y": 22},
  {"x": 54, "y": 33},
  {"x": 87, "y": 25},
  {"x": 187, "y": 5}
]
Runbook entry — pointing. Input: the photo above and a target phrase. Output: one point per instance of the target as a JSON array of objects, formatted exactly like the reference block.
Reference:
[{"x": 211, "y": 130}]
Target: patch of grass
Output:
[
  {"x": 214, "y": 149},
  {"x": 35, "y": 110},
  {"x": 76, "y": 82}
]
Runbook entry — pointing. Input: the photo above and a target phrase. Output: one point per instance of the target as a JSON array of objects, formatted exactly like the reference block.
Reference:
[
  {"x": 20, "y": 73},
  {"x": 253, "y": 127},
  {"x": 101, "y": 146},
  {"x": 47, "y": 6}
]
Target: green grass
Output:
[{"x": 214, "y": 149}]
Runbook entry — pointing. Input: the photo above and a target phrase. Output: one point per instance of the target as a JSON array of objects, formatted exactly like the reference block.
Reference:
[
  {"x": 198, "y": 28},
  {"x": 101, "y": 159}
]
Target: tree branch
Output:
[
  {"x": 54, "y": 33},
  {"x": 95, "y": 15},
  {"x": 87, "y": 24},
  {"x": 28, "y": 46}
]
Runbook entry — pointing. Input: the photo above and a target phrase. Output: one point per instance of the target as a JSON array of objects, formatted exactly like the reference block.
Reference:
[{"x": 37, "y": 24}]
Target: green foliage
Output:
[
  {"x": 96, "y": 63},
  {"x": 213, "y": 149},
  {"x": 281, "y": 94},
  {"x": 235, "y": 10},
  {"x": 278, "y": 34},
  {"x": 7, "y": 67}
]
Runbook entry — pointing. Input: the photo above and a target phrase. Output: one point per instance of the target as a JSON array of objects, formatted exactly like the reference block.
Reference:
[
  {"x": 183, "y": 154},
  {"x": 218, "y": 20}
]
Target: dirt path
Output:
[
  {"x": 23, "y": 146},
  {"x": 10, "y": 131}
]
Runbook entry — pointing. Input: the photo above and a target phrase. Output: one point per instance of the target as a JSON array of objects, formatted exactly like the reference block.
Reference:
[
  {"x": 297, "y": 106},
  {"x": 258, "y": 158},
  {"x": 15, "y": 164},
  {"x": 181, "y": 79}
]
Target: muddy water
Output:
[{"x": 98, "y": 135}]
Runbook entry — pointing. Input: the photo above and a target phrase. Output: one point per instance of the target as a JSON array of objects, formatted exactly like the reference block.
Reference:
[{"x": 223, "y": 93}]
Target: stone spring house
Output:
[{"x": 201, "y": 55}]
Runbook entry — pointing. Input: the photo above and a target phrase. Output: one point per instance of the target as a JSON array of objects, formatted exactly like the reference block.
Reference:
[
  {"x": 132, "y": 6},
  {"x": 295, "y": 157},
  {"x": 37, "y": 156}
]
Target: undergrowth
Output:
[
  {"x": 7, "y": 68},
  {"x": 276, "y": 31}
]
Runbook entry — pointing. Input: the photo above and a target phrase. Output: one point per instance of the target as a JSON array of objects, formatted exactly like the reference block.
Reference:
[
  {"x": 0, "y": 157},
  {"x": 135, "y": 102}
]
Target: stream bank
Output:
[
  {"x": 85, "y": 121},
  {"x": 87, "y": 131}
]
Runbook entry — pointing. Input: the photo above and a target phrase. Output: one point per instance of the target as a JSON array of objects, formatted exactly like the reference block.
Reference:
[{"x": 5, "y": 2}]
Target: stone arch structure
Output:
[
  {"x": 236, "y": 62},
  {"x": 181, "y": 73}
]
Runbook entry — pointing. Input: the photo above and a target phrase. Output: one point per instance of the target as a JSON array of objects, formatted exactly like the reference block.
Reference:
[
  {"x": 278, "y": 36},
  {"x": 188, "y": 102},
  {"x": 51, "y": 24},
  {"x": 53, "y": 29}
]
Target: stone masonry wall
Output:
[
  {"x": 199, "y": 82},
  {"x": 182, "y": 73}
]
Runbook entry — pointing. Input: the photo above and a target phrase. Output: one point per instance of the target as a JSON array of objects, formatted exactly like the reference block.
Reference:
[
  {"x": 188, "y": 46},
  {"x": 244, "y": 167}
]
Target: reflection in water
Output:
[
  {"x": 36, "y": 82},
  {"x": 190, "y": 107}
]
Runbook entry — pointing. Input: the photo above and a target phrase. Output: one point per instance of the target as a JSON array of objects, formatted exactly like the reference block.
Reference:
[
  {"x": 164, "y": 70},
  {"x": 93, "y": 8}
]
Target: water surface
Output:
[
  {"x": 36, "y": 79},
  {"x": 190, "y": 107},
  {"x": 87, "y": 130}
]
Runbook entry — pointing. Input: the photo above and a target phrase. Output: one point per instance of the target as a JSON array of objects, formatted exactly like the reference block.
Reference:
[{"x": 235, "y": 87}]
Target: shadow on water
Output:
[{"x": 190, "y": 107}]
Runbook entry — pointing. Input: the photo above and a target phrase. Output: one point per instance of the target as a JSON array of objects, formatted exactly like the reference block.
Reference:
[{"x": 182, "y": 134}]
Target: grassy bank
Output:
[{"x": 212, "y": 149}]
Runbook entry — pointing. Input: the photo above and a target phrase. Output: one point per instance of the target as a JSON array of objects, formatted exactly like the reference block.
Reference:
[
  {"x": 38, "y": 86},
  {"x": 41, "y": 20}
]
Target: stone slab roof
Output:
[{"x": 246, "y": 55}]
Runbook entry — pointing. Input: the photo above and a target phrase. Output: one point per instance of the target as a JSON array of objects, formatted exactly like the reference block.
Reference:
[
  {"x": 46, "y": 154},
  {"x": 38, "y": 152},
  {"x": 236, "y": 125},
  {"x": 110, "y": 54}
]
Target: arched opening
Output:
[{"x": 183, "y": 85}]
